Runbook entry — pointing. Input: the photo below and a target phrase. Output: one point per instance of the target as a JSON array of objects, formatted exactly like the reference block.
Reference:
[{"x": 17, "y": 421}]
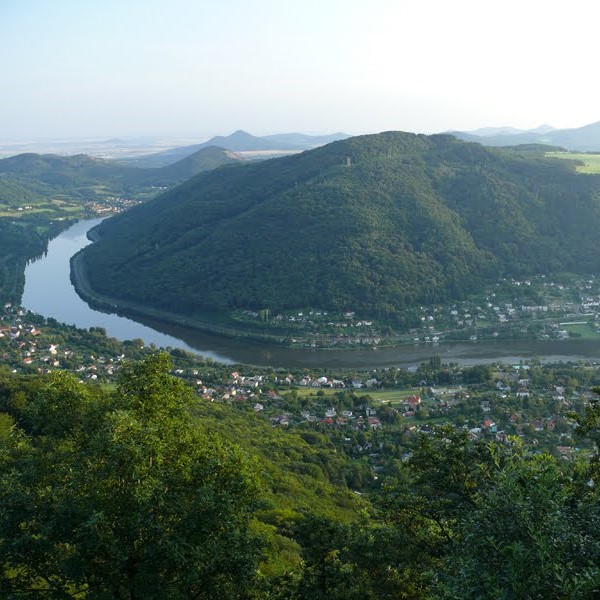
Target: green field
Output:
[
  {"x": 52, "y": 208},
  {"x": 591, "y": 162},
  {"x": 392, "y": 396},
  {"x": 583, "y": 330}
]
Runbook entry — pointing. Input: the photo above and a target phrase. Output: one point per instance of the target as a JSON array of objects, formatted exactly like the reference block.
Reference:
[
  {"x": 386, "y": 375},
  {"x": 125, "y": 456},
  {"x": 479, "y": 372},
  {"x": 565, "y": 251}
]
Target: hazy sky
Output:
[{"x": 204, "y": 67}]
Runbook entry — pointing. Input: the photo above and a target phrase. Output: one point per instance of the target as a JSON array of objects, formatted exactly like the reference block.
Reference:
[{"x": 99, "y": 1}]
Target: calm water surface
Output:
[{"x": 48, "y": 291}]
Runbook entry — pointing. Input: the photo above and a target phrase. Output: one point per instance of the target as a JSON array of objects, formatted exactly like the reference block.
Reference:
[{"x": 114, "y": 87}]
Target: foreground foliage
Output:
[
  {"x": 122, "y": 493},
  {"x": 120, "y": 496}
]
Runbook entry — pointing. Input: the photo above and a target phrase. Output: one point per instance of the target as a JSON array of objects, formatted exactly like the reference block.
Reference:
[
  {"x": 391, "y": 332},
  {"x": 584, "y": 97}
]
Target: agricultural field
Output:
[
  {"x": 52, "y": 209},
  {"x": 582, "y": 330},
  {"x": 387, "y": 396},
  {"x": 591, "y": 162}
]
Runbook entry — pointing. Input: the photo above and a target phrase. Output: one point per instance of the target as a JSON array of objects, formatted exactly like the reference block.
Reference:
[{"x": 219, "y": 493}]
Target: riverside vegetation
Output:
[{"x": 41, "y": 195}]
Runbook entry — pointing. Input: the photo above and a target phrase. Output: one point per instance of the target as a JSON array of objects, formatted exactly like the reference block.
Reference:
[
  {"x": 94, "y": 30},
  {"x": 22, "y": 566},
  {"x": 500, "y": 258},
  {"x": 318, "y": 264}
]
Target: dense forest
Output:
[
  {"x": 374, "y": 224},
  {"x": 144, "y": 490}
]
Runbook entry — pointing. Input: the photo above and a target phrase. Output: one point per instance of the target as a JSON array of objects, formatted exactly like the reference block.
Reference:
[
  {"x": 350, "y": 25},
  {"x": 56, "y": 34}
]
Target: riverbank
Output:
[
  {"x": 129, "y": 309},
  {"x": 49, "y": 291},
  {"x": 104, "y": 303},
  {"x": 222, "y": 325}
]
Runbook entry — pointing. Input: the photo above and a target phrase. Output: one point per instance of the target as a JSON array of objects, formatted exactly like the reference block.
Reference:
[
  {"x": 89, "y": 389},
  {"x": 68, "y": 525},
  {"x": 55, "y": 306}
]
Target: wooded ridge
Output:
[{"x": 374, "y": 224}]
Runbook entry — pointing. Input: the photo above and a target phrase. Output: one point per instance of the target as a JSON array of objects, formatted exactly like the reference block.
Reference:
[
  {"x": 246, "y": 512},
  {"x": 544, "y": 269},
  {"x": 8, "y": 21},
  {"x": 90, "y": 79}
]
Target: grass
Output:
[
  {"x": 584, "y": 330},
  {"x": 381, "y": 396},
  {"x": 393, "y": 396},
  {"x": 52, "y": 208},
  {"x": 591, "y": 162}
]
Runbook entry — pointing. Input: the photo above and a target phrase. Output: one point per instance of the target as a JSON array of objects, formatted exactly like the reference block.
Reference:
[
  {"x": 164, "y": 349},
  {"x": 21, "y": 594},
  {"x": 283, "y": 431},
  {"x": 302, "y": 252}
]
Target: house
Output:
[
  {"x": 537, "y": 424},
  {"x": 283, "y": 420},
  {"x": 412, "y": 401},
  {"x": 475, "y": 433},
  {"x": 564, "y": 450},
  {"x": 490, "y": 425}
]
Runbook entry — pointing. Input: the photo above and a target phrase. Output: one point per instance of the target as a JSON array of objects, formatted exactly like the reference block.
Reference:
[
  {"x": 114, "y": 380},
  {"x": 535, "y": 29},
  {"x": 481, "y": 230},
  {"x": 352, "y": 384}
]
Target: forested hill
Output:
[
  {"x": 373, "y": 223},
  {"x": 49, "y": 174}
]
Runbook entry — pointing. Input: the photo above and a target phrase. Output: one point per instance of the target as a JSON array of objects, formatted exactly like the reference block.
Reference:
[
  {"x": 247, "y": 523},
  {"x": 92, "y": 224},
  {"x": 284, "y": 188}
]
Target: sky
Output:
[{"x": 197, "y": 68}]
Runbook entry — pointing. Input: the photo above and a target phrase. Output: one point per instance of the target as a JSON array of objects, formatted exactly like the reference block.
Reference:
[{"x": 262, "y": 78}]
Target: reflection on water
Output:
[{"x": 48, "y": 291}]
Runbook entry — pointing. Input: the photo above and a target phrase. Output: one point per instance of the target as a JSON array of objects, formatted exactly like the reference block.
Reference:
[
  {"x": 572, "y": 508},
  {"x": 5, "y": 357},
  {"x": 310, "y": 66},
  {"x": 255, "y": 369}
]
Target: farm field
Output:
[
  {"x": 392, "y": 396},
  {"x": 584, "y": 330},
  {"x": 591, "y": 162}
]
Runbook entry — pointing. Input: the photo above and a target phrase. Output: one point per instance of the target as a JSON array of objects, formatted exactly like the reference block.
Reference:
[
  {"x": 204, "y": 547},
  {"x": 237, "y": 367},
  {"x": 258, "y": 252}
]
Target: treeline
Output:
[
  {"x": 20, "y": 241},
  {"x": 374, "y": 224},
  {"x": 140, "y": 491}
]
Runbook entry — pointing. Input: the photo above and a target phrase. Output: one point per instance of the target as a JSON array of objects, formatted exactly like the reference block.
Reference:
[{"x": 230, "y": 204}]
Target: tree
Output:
[
  {"x": 122, "y": 495},
  {"x": 532, "y": 534},
  {"x": 588, "y": 425}
]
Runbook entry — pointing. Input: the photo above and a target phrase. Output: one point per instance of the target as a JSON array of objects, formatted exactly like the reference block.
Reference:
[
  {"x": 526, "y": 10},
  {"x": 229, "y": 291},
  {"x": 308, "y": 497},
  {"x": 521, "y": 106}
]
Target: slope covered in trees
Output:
[
  {"x": 138, "y": 491},
  {"x": 373, "y": 223},
  {"x": 87, "y": 177}
]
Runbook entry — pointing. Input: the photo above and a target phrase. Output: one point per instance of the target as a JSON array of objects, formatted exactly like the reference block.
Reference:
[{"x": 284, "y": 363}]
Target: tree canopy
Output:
[{"x": 120, "y": 495}]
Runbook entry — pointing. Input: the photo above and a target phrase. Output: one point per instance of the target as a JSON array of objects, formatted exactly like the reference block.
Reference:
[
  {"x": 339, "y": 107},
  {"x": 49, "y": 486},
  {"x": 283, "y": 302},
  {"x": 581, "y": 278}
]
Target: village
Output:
[
  {"x": 536, "y": 308},
  {"x": 531, "y": 402}
]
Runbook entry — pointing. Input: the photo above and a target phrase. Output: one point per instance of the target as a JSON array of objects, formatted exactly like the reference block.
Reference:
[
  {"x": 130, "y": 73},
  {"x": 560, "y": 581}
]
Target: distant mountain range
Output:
[
  {"x": 31, "y": 175},
  {"x": 375, "y": 223},
  {"x": 583, "y": 139},
  {"x": 240, "y": 141}
]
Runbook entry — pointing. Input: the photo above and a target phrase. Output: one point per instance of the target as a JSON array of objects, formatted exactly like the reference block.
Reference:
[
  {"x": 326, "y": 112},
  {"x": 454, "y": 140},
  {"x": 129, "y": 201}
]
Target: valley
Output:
[{"x": 334, "y": 437}]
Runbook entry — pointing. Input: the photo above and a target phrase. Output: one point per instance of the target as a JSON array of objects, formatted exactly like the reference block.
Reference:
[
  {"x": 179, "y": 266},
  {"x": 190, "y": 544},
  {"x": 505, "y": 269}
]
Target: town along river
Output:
[{"x": 49, "y": 292}]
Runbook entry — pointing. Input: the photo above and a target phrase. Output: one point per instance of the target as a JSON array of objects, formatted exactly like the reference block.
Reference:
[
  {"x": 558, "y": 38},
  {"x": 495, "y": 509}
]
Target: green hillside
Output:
[
  {"x": 141, "y": 489},
  {"x": 373, "y": 223},
  {"x": 85, "y": 177}
]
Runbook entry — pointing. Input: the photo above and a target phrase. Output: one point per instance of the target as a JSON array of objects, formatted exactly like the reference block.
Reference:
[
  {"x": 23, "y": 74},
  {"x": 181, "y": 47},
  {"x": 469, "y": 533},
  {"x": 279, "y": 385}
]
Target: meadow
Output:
[{"x": 591, "y": 162}]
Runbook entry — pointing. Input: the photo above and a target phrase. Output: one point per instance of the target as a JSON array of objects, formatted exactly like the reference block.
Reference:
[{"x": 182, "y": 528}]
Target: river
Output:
[{"x": 49, "y": 292}]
